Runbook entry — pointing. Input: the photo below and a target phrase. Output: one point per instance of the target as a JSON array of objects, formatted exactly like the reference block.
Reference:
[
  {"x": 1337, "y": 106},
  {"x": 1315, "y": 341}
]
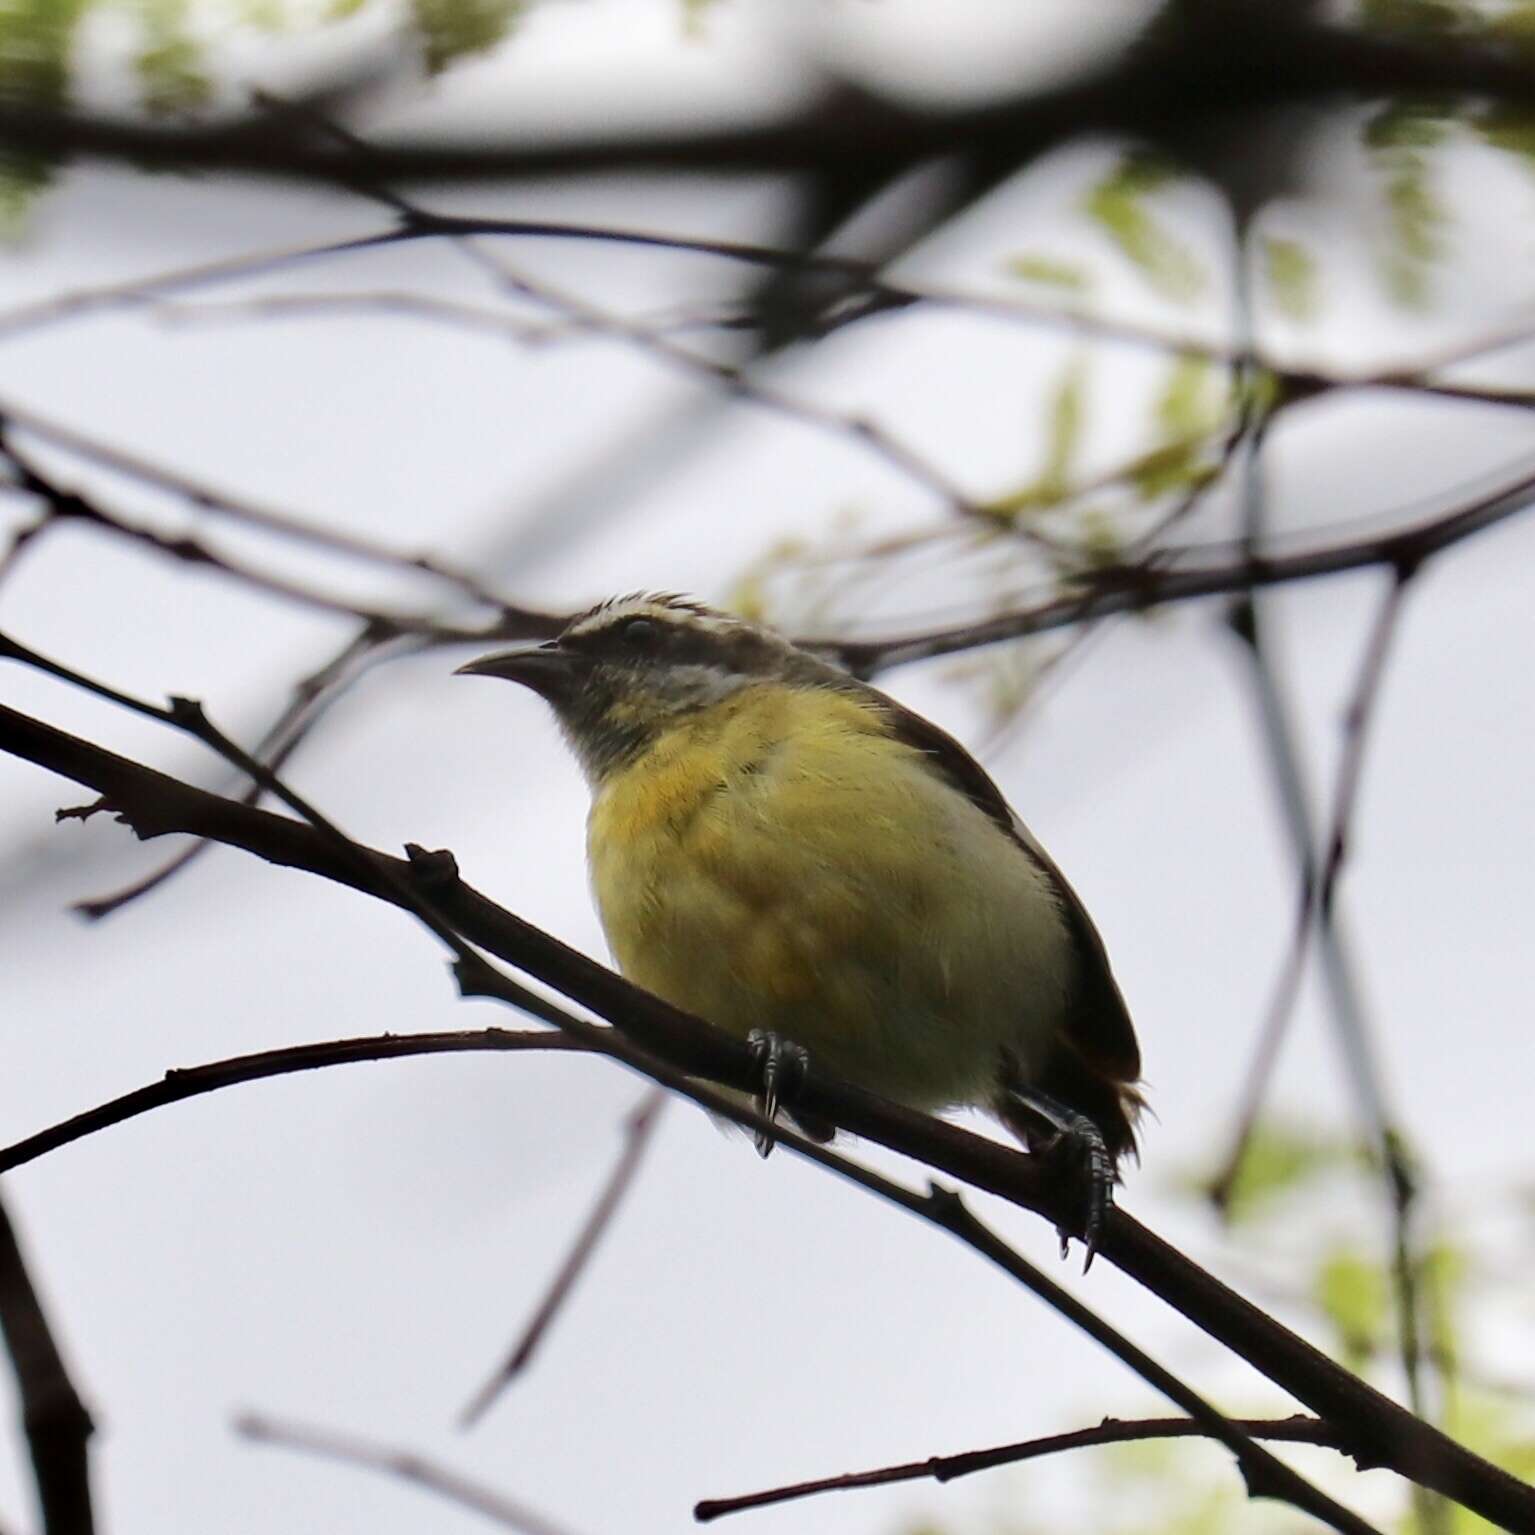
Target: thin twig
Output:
[
  {"x": 1263, "y": 1473},
  {"x": 638, "y": 1128},
  {"x": 404, "y": 1464},
  {"x": 1378, "y": 1431},
  {"x": 218, "y": 502},
  {"x": 183, "y": 1082},
  {"x": 947, "y": 1468}
]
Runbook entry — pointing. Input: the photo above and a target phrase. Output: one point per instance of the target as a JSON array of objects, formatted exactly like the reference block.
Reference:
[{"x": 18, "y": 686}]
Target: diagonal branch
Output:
[
  {"x": 1378, "y": 1431},
  {"x": 947, "y": 1468},
  {"x": 181, "y": 1083},
  {"x": 57, "y": 1424},
  {"x": 404, "y": 1464},
  {"x": 638, "y": 1128}
]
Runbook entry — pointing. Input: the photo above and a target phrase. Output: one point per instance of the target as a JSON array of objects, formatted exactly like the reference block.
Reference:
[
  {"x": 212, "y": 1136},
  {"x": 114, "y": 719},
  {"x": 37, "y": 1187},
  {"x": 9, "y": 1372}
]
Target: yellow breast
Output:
[{"x": 780, "y": 861}]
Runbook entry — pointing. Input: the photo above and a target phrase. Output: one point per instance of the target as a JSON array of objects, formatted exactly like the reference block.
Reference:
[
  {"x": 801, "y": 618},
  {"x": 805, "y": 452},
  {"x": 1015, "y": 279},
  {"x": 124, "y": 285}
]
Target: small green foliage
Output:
[
  {"x": 1517, "y": 24},
  {"x": 695, "y": 13},
  {"x": 1508, "y": 127},
  {"x": 340, "y": 10},
  {"x": 1190, "y": 401},
  {"x": 1423, "y": 17},
  {"x": 1399, "y": 137},
  {"x": 1063, "y": 436},
  {"x": 1355, "y": 1297},
  {"x": 168, "y": 65},
  {"x": 264, "y": 15},
  {"x": 36, "y": 37},
  {"x": 1099, "y": 540},
  {"x": 1063, "y": 423},
  {"x": 1048, "y": 272},
  {"x": 22, "y": 177},
  {"x": 1280, "y": 1159},
  {"x": 1186, "y": 411},
  {"x": 35, "y": 41},
  {"x": 1408, "y": 124},
  {"x": 455, "y": 29},
  {"x": 1291, "y": 273},
  {"x": 1117, "y": 203}
]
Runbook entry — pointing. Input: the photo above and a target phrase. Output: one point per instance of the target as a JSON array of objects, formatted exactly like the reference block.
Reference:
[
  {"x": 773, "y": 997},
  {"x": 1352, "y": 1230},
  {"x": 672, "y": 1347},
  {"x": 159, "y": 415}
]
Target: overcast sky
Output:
[{"x": 355, "y": 1247}]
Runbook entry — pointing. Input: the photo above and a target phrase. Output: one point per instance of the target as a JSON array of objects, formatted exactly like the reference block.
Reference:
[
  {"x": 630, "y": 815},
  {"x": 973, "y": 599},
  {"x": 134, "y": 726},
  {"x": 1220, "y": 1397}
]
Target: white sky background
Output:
[{"x": 355, "y": 1247}]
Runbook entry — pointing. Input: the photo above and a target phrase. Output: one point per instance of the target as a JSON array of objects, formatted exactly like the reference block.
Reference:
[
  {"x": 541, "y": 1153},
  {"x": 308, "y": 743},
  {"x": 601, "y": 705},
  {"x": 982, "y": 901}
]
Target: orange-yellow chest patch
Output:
[{"x": 703, "y": 854}]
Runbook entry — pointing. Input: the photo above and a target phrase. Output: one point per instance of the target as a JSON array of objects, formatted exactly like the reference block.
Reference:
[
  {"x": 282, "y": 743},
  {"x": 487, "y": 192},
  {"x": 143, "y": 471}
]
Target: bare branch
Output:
[
  {"x": 404, "y": 1464},
  {"x": 183, "y": 1082},
  {"x": 1158, "y": 581},
  {"x": 947, "y": 1468},
  {"x": 1378, "y": 1430},
  {"x": 515, "y": 622},
  {"x": 637, "y": 1132},
  {"x": 57, "y": 1425}
]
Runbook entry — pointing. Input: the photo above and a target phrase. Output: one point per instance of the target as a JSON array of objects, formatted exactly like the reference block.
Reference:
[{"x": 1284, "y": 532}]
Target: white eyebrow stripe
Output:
[{"x": 609, "y": 614}]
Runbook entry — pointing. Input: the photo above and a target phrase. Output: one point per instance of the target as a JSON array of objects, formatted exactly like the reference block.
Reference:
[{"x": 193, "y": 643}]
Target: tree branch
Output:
[
  {"x": 947, "y": 1468},
  {"x": 638, "y": 1128},
  {"x": 404, "y": 1464},
  {"x": 1378, "y": 1431},
  {"x": 57, "y": 1425}
]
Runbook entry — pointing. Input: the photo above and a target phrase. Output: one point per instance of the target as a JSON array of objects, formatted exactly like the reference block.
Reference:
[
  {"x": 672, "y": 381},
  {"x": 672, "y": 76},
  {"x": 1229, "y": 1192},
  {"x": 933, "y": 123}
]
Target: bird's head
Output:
[{"x": 627, "y": 670}]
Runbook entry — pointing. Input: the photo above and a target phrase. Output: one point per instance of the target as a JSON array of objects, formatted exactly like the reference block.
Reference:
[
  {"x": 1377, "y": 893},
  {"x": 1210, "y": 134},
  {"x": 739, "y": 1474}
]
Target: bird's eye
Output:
[{"x": 640, "y": 633}]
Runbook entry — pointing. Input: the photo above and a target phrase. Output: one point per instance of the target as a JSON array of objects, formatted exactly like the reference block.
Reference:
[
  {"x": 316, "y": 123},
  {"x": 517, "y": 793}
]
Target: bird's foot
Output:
[
  {"x": 1077, "y": 1146},
  {"x": 781, "y": 1064}
]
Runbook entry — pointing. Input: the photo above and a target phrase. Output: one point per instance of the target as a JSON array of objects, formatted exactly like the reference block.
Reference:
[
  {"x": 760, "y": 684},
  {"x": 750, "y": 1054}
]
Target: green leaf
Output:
[
  {"x": 1423, "y": 17},
  {"x": 340, "y": 10},
  {"x": 695, "y": 13},
  {"x": 1355, "y": 1297},
  {"x": 264, "y": 15},
  {"x": 1047, "y": 271},
  {"x": 1398, "y": 137},
  {"x": 35, "y": 41},
  {"x": 1118, "y": 205},
  {"x": 1279, "y": 1159},
  {"x": 1064, "y": 429},
  {"x": 455, "y": 29},
  {"x": 169, "y": 64},
  {"x": 1508, "y": 127},
  {"x": 36, "y": 37},
  {"x": 22, "y": 177},
  {"x": 1291, "y": 273},
  {"x": 1186, "y": 411},
  {"x": 1063, "y": 436}
]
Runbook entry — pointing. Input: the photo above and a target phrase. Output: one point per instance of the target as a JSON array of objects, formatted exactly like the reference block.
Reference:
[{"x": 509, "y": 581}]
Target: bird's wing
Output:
[{"x": 1100, "y": 1029}]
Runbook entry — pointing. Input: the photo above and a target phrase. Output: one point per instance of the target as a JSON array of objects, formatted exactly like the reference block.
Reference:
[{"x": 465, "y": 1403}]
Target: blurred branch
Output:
[
  {"x": 419, "y": 890},
  {"x": 515, "y": 622},
  {"x": 404, "y": 1464},
  {"x": 638, "y": 1128},
  {"x": 1156, "y": 582},
  {"x": 947, "y": 1468},
  {"x": 1222, "y": 58},
  {"x": 183, "y": 1082},
  {"x": 58, "y": 1427},
  {"x": 1377, "y": 1430}
]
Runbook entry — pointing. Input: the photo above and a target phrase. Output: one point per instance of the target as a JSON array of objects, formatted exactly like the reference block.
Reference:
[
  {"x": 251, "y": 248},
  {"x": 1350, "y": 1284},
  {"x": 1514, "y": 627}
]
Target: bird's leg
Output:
[
  {"x": 782, "y": 1065},
  {"x": 1078, "y": 1137}
]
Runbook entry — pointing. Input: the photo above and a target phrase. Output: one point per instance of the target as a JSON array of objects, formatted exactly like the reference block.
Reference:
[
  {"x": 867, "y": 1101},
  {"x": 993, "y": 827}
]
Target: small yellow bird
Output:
[{"x": 796, "y": 857}]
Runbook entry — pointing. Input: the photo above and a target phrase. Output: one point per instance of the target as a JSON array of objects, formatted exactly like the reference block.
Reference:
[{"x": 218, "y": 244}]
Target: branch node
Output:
[
  {"x": 475, "y": 978},
  {"x": 81, "y": 812},
  {"x": 434, "y": 868}
]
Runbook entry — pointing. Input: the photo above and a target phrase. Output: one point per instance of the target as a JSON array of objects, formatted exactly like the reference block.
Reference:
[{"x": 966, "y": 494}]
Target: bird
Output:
[{"x": 786, "y": 851}]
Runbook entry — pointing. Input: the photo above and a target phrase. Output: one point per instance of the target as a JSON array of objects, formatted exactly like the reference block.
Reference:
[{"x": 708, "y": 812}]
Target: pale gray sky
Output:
[{"x": 356, "y": 1247}]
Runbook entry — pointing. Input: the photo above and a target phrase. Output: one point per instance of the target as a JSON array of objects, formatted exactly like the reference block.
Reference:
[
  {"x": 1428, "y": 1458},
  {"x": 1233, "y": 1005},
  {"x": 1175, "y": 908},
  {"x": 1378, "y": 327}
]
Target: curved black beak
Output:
[{"x": 547, "y": 669}]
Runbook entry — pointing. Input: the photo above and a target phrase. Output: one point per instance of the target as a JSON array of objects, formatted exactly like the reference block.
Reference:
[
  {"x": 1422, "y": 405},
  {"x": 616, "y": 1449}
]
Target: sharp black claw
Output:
[
  {"x": 1080, "y": 1141},
  {"x": 781, "y": 1064}
]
